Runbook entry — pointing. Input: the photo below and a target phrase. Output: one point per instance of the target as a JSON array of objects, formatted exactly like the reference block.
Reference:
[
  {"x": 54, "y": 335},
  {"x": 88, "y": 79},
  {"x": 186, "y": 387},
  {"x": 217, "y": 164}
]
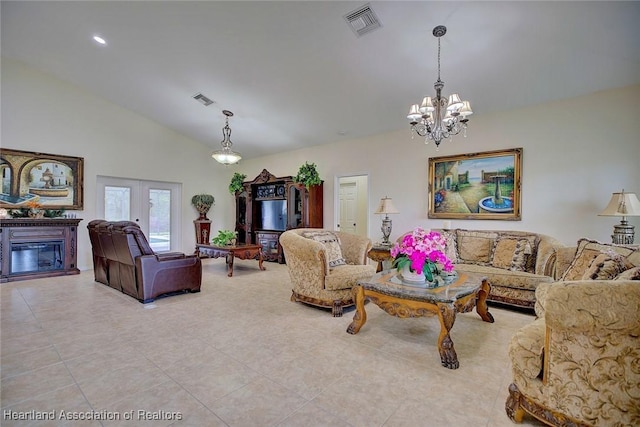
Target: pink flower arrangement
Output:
[{"x": 423, "y": 249}]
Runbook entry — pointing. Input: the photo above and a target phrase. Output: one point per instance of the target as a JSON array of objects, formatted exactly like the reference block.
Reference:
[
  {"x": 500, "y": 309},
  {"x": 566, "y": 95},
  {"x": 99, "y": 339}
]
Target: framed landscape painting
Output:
[
  {"x": 476, "y": 186},
  {"x": 51, "y": 180}
]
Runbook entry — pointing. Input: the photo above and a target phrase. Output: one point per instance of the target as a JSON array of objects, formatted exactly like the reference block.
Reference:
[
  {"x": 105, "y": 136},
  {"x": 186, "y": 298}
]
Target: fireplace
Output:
[
  {"x": 33, "y": 257},
  {"x": 31, "y": 248}
]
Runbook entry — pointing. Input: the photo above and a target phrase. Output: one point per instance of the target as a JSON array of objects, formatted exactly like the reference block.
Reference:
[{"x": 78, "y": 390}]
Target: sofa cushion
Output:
[
  {"x": 474, "y": 247},
  {"x": 586, "y": 252},
  {"x": 526, "y": 348},
  {"x": 506, "y": 278},
  {"x": 331, "y": 243},
  {"x": 347, "y": 276},
  {"x": 630, "y": 274},
  {"x": 606, "y": 266},
  {"x": 509, "y": 253}
]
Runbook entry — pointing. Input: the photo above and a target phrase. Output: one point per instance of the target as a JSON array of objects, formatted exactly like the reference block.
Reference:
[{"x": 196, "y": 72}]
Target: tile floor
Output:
[{"x": 239, "y": 353}]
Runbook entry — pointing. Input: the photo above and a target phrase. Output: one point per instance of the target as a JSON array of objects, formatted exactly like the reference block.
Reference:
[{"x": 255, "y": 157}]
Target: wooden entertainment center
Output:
[
  {"x": 32, "y": 248},
  {"x": 270, "y": 205}
]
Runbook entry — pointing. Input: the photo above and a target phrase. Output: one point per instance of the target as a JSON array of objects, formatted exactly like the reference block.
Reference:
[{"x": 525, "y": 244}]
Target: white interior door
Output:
[
  {"x": 351, "y": 195},
  {"x": 154, "y": 205},
  {"x": 348, "y": 207}
]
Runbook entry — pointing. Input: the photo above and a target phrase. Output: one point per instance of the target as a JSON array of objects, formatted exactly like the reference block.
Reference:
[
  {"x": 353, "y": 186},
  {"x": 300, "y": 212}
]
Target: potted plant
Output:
[
  {"x": 202, "y": 203},
  {"x": 308, "y": 175},
  {"x": 224, "y": 237},
  {"x": 236, "y": 183}
]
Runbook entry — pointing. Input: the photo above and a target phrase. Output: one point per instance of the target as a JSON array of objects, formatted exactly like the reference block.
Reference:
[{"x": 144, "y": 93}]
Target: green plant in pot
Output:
[
  {"x": 308, "y": 175},
  {"x": 236, "y": 183},
  {"x": 224, "y": 237},
  {"x": 202, "y": 203}
]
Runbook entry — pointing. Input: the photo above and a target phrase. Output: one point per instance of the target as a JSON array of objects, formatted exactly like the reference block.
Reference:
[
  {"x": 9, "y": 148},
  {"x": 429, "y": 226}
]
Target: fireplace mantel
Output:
[{"x": 33, "y": 248}]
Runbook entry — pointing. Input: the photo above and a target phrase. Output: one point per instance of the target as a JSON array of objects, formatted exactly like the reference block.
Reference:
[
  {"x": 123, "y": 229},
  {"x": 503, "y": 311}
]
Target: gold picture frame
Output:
[
  {"x": 52, "y": 180},
  {"x": 482, "y": 185}
]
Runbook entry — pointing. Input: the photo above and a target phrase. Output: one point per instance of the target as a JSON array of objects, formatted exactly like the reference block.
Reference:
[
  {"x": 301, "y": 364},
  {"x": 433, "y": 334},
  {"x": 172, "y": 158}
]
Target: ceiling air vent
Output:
[
  {"x": 202, "y": 99},
  {"x": 363, "y": 20}
]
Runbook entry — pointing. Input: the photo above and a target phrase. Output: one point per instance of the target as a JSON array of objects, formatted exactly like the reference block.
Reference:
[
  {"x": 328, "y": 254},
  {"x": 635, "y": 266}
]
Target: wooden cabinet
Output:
[
  {"x": 271, "y": 249},
  {"x": 33, "y": 248},
  {"x": 270, "y": 205}
]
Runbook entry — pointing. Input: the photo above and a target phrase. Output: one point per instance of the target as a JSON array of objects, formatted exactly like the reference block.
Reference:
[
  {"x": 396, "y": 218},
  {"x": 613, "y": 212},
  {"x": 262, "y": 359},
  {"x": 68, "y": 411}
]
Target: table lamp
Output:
[
  {"x": 386, "y": 207},
  {"x": 624, "y": 205}
]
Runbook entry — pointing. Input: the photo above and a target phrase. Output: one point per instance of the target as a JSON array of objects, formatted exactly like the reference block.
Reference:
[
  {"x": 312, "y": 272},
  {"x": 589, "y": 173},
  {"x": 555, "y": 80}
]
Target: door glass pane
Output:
[
  {"x": 160, "y": 219},
  {"x": 117, "y": 203}
]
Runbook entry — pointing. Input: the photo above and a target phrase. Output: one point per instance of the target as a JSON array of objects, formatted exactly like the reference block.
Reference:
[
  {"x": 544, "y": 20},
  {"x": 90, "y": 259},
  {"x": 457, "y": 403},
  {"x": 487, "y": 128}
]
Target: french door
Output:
[{"x": 154, "y": 205}]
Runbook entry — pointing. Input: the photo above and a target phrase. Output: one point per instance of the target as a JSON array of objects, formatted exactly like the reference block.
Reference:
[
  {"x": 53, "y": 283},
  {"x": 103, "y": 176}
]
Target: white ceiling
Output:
[{"x": 295, "y": 74}]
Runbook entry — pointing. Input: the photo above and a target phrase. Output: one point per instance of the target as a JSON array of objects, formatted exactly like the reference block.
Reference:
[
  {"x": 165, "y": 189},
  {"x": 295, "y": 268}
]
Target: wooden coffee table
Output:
[
  {"x": 387, "y": 290},
  {"x": 240, "y": 250}
]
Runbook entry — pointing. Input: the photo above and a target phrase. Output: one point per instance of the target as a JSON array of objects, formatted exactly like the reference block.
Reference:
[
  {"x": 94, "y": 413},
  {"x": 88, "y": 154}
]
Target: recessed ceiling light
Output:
[{"x": 99, "y": 40}]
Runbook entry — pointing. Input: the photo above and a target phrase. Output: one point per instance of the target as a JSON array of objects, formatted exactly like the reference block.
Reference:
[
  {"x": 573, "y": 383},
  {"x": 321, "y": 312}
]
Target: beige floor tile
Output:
[
  {"x": 33, "y": 383},
  {"x": 312, "y": 415},
  {"x": 259, "y": 403},
  {"x": 162, "y": 405},
  {"x": 121, "y": 382},
  {"x": 213, "y": 378},
  {"x": 18, "y": 363},
  {"x": 64, "y": 403}
]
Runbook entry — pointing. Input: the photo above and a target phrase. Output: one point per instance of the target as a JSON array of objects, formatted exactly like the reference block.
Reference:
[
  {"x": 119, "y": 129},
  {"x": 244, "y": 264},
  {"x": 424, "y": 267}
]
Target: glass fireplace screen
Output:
[{"x": 34, "y": 257}]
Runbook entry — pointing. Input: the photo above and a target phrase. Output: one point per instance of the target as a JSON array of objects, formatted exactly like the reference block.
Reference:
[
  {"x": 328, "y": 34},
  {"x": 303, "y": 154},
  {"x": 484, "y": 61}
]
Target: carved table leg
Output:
[
  {"x": 481, "y": 302},
  {"x": 230, "y": 264},
  {"x": 260, "y": 259},
  {"x": 360, "y": 317},
  {"x": 448, "y": 356}
]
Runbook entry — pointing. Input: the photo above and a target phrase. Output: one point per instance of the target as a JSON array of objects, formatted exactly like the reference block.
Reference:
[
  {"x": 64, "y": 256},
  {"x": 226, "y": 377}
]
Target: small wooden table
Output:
[
  {"x": 390, "y": 293},
  {"x": 380, "y": 254},
  {"x": 240, "y": 250}
]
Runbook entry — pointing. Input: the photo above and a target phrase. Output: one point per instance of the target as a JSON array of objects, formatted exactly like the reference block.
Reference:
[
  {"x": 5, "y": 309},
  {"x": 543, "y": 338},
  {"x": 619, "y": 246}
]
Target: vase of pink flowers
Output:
[{"x": 419, "y": 257}]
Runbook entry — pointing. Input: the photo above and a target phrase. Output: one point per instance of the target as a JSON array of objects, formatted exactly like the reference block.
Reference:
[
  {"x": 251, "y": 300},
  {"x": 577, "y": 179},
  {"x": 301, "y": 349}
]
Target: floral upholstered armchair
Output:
[
  {"x": 324, "y": 265},
  {"x": 578, "y": 363}
]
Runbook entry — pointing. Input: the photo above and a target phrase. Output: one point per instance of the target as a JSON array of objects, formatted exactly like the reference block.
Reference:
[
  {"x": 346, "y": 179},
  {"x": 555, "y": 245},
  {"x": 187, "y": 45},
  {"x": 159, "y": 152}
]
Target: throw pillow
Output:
[
  {"x": 586, "y": 252},
  {"x": 451, "y": 246},
  {"x": 331, "y": 243},
  {"x": 630, "y": 274},
  {"x": 509, "y": 253},
  {"x": 606, "y": 266},
  {"x": 474, "y": 247},
  {"x": 530, "y": 252}
]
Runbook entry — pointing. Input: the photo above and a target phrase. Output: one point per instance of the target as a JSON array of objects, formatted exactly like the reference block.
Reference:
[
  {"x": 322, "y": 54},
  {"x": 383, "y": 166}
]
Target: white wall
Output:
[
  {"x": 575, "y": 154},
  {"x": 44, "y": 114}
]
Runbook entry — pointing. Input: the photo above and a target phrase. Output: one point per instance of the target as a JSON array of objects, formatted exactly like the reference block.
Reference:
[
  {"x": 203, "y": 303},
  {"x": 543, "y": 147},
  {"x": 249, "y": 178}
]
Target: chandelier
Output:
[
  {"x": 226, "y": 156},
  {"x": 439, "y": 118}
]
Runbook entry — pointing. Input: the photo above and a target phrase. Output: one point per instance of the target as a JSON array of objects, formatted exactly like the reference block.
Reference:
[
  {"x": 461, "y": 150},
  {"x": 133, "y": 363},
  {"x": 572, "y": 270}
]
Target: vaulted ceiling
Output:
[{"x": 295, "y": 73}]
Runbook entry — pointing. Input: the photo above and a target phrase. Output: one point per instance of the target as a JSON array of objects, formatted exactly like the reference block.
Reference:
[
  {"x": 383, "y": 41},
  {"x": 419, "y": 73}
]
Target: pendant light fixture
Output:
[
  {"x": 226, "y": 156},
  {"x": 440, "y": 117}
]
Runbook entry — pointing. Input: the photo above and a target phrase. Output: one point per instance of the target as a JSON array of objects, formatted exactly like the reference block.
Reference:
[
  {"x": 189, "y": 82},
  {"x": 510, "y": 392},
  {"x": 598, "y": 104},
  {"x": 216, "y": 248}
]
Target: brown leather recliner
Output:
[{"x": 123, "y": 259}]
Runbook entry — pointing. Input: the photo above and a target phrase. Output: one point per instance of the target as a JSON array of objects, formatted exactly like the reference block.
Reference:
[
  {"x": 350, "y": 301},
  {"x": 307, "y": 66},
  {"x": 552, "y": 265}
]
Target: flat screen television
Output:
[{"x": 273, "y": 215}]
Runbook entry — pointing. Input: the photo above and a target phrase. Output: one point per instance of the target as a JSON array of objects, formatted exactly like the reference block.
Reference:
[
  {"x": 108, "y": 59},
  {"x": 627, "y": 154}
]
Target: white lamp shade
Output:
[
  {"x": 454, "y": 102},
  {"x": 427, "y": 105},
  {"x": 622, "y": 204},
  {"x": 466, "y": 109},
  {"x": 386, "y": 207},
  {"x": 414, "y": 113}
]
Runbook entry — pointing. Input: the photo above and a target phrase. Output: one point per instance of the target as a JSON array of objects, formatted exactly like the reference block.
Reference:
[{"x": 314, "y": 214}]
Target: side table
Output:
[{"x": 380, "y": 254}]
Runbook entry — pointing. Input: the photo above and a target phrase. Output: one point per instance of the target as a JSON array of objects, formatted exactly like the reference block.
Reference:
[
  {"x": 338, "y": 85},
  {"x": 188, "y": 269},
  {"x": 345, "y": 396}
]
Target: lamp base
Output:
[
  {"x": 623, "y": 233},
  {"x": 386, "y": 231}
]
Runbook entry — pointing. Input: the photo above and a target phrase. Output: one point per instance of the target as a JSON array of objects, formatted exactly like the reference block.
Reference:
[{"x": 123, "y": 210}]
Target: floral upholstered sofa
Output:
[
  {"x": 578, "y": 363},
  {"x": 514, "y": 262}
]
